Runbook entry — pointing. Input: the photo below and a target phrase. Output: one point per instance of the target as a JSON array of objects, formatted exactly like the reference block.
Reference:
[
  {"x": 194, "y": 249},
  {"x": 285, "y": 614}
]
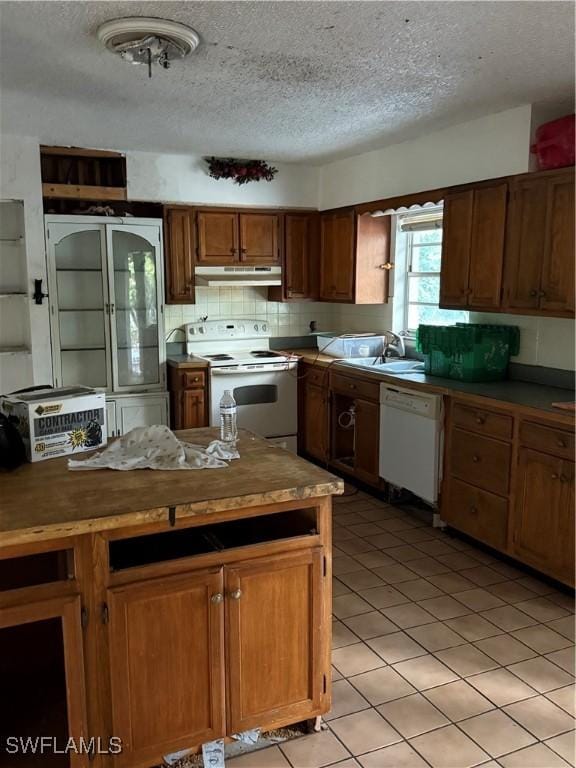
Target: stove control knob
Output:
[
  {"x": 264, "y": 327},
  {"x": 201, "y": 330},
  {"x": 255, "y": 326}
]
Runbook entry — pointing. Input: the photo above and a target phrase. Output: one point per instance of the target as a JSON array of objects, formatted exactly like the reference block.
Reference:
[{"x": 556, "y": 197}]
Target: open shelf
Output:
[{"x": 204, "y": 539}]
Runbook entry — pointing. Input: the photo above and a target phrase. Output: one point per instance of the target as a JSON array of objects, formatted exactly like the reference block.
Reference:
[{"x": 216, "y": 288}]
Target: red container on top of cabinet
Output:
[{"x": 554, "y": 145}]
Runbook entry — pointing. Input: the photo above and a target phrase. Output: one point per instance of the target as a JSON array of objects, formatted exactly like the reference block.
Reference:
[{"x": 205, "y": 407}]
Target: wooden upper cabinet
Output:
[
  {"x": 179, "y": 240},
  {"x": 274, "y": 613},
  {"x": 301, "y": 255},
  {"x": 218, "y": 238},
  {"x": 539, "y": 261},
  {"x": 557, "y": 286},
  {"x": 354, "y": 257},
  {"x": 543, "y": 522},
  {"x": 167, "y": 647},
  {"x": 473, "y": 247},
  {"x": 456, "y": 234},
  {"x": 259, "y": 233}
]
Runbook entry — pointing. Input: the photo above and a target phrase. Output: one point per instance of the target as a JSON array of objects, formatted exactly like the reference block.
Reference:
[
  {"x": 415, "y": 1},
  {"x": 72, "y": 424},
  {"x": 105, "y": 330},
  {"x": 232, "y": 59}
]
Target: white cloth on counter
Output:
[{"x": 157, "y": 447}]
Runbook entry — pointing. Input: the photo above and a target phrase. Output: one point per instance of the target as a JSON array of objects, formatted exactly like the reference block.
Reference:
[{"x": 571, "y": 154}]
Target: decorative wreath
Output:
[{"x": 242, "y": 171}]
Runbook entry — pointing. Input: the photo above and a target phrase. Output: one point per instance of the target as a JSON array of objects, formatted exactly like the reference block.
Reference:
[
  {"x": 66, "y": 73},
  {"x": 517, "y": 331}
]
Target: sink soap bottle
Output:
[{"x": 228, "y": 428}]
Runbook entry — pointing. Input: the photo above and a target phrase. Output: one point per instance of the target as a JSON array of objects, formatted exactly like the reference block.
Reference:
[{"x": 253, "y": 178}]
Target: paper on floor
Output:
[{"x": 157, "y": 447}]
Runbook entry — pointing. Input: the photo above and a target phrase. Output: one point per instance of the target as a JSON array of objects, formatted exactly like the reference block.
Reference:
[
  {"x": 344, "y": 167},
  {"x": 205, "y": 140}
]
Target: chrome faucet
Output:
[{"x": 393, "y": 346}]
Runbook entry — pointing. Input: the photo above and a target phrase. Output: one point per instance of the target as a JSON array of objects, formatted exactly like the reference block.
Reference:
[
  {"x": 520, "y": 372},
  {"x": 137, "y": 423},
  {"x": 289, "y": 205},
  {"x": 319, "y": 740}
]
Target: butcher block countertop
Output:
[{"x": 46, "y": 500}]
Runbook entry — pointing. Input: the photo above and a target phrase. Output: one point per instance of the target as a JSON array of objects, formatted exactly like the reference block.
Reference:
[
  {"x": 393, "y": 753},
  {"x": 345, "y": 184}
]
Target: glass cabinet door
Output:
[
  {"x": 133, "y": 260},
  {"x": 80, "y": 324}
]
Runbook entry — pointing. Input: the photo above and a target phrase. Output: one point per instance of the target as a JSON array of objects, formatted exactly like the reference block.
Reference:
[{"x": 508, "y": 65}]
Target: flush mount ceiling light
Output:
[{"x": 148, "y": 41}]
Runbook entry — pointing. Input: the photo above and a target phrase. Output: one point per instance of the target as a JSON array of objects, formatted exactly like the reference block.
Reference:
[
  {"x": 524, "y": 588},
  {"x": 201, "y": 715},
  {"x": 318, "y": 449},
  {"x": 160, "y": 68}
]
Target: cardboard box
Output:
[{"x": 58, "y": 422}]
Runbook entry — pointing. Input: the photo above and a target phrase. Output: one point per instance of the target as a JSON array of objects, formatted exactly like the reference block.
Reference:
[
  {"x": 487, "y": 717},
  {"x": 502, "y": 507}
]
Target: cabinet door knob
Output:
[
  {"x": 387, "y": 265},
  {"x": 475, "y": 459},
  {"x": 473, "y": 510},
  {"x": 236, "y": 594},
  {"x": 217, "y": 598},
  {"x": 561, "y": 443},
  {"x": 533, "y": 293},
  {"x": 542, "y": 294},
  {"x": 480, "y": 419},
  {"x": 554, "y": 476},
  {"x": 233, "y": 251}
]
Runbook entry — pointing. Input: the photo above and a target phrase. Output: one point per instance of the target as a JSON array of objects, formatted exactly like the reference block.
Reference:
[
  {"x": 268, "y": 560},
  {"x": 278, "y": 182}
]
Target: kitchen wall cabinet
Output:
[
  {"x": 354, "y": 257},
  {"x": 275, "y": 667},
  {"x": 473, "y": 239},
  {"x": 188, "y": 397},
  {"x": 539, "y": 262},
  {"x": 180, "y": 244},
  {"x": 230, "y": 237},
  {"x": 167, "y": 647},
  {"x": 509, "y": 483},
  {"x": 301, "y": 260}
]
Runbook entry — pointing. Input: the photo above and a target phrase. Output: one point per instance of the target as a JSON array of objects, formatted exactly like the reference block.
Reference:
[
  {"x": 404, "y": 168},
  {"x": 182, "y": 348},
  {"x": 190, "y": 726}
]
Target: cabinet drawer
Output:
[
  {"x": 481, "y": 461},
  {"x": 353, "y": 386},
  {"x": 317, "y": 376},
  {"x": 547, "y": 439},
  {"x": 192, "y": 379},
  {"x": 482, "y": 421},
  {"x": 478, "y": 513}
]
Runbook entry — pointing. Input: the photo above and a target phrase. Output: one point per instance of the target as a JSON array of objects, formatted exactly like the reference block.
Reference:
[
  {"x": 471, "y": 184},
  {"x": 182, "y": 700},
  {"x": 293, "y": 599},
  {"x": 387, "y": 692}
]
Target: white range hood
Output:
[{"x": 218, "y": 277}]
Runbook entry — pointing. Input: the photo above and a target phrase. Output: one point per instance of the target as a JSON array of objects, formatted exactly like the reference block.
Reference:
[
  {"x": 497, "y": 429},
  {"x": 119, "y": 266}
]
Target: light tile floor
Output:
[{"x": 444, "y": 656}]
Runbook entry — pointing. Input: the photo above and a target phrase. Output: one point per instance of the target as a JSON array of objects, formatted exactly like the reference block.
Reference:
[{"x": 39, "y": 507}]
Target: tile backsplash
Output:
[{"x": 290, "y": 319}]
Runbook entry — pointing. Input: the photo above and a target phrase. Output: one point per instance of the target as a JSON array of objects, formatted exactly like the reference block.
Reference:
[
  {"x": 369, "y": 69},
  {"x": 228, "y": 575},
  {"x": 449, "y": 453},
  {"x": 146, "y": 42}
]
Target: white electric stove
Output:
[{"x": 263, "y": 382}]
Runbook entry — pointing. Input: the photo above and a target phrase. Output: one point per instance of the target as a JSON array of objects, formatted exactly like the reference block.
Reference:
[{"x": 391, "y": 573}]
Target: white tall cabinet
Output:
[{"x": 105, "y": 279}]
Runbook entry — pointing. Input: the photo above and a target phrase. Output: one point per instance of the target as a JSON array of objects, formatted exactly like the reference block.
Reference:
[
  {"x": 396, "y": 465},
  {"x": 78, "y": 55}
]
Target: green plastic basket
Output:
[{"x": 468, "y": 351}]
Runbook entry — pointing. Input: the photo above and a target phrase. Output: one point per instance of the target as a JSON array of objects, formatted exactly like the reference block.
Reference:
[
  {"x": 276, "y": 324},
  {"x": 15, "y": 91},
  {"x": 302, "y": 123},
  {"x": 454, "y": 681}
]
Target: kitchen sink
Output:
[{"x": 395, "y": 366}]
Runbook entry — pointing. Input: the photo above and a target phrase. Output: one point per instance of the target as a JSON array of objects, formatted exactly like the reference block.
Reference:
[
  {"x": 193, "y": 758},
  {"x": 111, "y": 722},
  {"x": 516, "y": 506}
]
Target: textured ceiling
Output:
[{"x": 294, "y": 81}]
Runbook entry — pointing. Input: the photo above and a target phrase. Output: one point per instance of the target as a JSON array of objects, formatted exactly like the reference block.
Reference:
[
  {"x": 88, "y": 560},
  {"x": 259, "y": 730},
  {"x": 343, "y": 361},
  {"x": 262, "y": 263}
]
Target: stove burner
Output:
[
  {"x": 262, "y": 353},
  {"x": 220, "y": 357}
]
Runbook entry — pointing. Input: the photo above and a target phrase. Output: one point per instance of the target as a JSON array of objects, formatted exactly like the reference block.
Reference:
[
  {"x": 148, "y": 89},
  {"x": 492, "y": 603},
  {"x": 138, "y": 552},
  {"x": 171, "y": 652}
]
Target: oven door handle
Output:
[{"x": 243, "y": 371}]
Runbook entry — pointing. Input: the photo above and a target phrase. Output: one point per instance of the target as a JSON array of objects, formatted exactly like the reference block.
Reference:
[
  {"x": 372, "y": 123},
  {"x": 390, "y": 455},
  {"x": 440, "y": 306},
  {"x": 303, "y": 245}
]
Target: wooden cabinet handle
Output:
[
  {"x": 242, "y": 250},
  {"x": 473, "y": 510},
  {"x": 542, "y": 294},
  {"x": 561, "y": 443},
  {"x": 352, "y": 386},
  {"x": 480, "y": 420},
  {"x": 233, "y": 251},
  {"x": 533, "y": 293},
  {"x": 236, "y": 594},
  {"x": 217, "y": 598},
  {"x": 554, "y": 476},
  {"x": 475, "y": 459}
]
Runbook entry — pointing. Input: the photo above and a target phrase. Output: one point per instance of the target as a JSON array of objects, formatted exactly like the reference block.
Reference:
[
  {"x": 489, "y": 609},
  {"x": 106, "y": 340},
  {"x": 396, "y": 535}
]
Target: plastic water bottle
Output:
[{"x": 228, "y": 429}]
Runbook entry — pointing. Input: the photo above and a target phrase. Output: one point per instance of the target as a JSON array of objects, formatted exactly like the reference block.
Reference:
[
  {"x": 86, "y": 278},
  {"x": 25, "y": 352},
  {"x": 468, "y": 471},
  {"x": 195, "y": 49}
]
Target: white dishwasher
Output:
[{"x": 411, "y": 440}]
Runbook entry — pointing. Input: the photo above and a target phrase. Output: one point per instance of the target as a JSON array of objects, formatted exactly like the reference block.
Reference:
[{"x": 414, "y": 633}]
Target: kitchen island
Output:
[{"x": 166, "y": 609}]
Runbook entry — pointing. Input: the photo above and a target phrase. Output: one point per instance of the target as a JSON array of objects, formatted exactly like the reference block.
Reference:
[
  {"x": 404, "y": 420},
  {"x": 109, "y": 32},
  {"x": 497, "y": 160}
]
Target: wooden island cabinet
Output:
[{"x": 166, "y": 609}]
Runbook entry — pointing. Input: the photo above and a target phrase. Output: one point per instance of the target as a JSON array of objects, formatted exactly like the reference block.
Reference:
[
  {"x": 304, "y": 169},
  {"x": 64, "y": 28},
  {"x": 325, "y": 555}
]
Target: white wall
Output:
[
  {"x": 20, "y": 180},
  {"x": 496, "y": 145},
  {"x": 184, "y": 179}
]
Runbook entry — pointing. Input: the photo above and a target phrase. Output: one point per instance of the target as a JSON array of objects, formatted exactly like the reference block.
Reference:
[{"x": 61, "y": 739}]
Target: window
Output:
[{"x": 422, "y": 235}]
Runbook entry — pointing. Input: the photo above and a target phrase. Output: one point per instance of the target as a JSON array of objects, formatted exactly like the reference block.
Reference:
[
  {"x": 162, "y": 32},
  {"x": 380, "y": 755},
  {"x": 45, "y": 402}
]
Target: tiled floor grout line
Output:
[{"x": 471, "y": 643}]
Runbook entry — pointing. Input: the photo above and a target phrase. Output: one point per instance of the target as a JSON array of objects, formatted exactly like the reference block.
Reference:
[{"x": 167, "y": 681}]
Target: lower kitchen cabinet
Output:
[
  {"x": 216, "y": 651},
  {"x": 188, "y": 398},
  {"x": 126, "y": 412},
  {"x": 56, "y": 707},
  {"x": 314, "y": 412},
  {"x": 543, "y": 522},
  {"x": 273, "y": 619},
  {"x": 509, "y": 483},
  {"x": 167, "y": 664},
  {"x": 366, "y": 449}
]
